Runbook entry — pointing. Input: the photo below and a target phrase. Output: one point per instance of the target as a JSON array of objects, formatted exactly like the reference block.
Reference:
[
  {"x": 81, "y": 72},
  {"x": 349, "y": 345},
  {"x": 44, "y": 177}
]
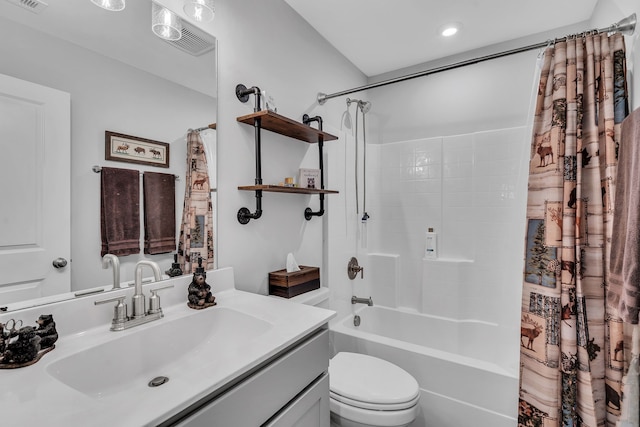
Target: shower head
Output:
[{"x": 365, "y": 106}]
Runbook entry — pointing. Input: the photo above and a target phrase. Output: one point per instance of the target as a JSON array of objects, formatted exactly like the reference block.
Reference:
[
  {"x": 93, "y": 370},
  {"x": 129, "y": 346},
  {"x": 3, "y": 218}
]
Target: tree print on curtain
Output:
[
  {"x": 196, "y": 232},
  {"x": 570, "y": 364}
]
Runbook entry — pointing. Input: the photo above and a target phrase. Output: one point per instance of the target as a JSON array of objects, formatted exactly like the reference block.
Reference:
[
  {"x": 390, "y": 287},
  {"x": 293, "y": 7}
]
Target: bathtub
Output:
[{"x": 465, "y": 381}]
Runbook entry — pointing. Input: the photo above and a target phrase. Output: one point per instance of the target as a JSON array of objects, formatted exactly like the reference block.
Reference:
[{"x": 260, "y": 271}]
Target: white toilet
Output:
[{"x": 367, "y": 391}]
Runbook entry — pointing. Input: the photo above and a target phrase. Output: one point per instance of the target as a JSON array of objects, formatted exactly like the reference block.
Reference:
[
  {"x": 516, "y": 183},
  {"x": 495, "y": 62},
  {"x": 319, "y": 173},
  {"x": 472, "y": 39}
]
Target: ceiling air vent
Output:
[
  {"x": 193, "y": 41},
  {"x": 35, "y": 6}
]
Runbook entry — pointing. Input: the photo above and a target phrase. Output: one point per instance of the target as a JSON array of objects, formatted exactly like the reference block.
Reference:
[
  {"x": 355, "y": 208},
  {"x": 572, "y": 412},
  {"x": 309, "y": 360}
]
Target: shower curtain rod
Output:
[{"x": 625, "y": 26}]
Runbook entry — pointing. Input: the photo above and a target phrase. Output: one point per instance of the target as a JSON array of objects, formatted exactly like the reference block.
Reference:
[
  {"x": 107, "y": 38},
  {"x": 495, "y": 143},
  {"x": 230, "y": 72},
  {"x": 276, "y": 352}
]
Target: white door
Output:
[{"x": 35, "y": 223}]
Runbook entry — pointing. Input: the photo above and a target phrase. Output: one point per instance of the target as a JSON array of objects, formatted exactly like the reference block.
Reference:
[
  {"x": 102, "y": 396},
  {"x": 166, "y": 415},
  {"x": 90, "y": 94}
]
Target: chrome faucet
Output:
[
  {"x": 115, "y": 263},
  {"x": 137, "y": 302},
  {"x": 356, "y": 300},
  {"x": 139, "y": 314}
]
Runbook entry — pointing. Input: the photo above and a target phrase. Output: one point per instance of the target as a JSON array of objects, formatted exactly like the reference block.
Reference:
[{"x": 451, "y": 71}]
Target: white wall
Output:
[{"x": 105, "y": 95}]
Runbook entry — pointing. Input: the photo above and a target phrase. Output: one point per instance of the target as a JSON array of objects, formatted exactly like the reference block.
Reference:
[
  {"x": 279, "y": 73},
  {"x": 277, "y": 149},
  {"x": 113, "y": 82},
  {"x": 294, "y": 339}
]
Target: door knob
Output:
[{"x": 59, "y": 263}]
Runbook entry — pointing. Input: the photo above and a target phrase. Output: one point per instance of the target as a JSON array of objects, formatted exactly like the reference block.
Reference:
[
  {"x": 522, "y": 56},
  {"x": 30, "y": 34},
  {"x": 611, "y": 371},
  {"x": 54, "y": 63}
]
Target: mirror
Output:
[{"x": 122, "y": 78}]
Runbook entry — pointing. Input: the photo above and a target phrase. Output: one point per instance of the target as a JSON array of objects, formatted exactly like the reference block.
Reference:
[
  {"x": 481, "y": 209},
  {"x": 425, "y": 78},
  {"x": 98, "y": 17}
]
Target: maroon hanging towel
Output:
[
  {"x": 159, "y": 213},
  {"x": 120, "y": 211}
]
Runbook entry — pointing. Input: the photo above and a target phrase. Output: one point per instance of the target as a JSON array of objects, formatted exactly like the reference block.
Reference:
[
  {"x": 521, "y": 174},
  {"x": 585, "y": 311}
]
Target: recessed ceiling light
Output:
[{"x": 449, "y": 29}]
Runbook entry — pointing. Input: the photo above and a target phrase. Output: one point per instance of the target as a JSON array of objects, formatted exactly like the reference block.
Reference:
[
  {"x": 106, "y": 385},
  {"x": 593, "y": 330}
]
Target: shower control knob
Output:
[
  {"x": 59, "y": 263},
  {"x": 353, "y": 269}
]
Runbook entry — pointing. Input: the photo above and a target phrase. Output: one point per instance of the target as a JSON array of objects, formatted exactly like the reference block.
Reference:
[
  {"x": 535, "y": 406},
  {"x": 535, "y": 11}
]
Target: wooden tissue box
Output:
[{"x": 288, "y": 285}]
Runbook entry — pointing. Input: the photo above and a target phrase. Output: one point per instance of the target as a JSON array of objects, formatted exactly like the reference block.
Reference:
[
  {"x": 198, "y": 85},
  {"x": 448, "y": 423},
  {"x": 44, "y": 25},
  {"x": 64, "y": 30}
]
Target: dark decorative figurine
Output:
[
  {"x": 23, "y": 348},
  {"x": 2, "y": 340},
  {"x": 46, "y": 330},
  {"x": 175, "y": 269},
  {"x": 199, "y": 291}
]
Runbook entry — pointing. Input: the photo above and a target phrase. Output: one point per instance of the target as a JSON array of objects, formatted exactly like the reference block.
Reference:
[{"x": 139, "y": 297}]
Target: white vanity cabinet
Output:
[{"x": 291, "y": 389}]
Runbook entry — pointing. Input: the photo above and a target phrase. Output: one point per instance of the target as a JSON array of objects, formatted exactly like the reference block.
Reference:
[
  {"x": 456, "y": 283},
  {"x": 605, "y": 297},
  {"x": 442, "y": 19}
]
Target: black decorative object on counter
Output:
[
  {"x": 175, "y": 269},
  {"x": 46, "y": 330},
  {"x": 22, "y": 348},
  {"x": 24, "y": 345},
  {"x": 200, "y": 295}
]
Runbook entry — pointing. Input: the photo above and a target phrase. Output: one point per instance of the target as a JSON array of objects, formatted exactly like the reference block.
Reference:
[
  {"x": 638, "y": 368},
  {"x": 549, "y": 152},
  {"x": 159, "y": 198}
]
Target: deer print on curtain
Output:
[
  {"x": 196, "y": 232},
  {"x": 571, "y": 351}
]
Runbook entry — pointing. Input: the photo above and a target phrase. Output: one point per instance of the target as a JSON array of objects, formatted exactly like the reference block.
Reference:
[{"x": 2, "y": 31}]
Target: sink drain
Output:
[{"x": 158, "y": 381}]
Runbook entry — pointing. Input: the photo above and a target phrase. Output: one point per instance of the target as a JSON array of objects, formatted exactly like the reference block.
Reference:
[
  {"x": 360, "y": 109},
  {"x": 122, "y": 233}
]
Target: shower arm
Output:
[
  {"x": 242, "y": 93},
  {"x": 308, "y": 212}
]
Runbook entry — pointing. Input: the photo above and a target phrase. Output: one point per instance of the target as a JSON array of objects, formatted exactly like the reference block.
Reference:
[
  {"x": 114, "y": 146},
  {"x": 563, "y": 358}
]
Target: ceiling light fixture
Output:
[
  {"x": 112, "y": 5},
  {"x": 449, "y": 29},
  {"x": 199, "y": 10},
  {"x": 164, "y": 23}
]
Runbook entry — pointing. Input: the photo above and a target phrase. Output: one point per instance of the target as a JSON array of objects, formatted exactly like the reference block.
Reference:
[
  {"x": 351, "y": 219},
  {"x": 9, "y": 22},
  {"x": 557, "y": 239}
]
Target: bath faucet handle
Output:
[
  {"x": 154, "y": 299},
  {"x": 353, "y": 269},
  {"x": 119, "y": 312}
]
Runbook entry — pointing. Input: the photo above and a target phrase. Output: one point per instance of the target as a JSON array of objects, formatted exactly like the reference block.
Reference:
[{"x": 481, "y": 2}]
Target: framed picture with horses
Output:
[{"x": 132, "y": 149}]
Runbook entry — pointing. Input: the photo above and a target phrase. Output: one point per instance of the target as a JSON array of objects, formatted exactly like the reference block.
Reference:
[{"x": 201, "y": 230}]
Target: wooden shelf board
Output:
[
  {"x": 283, "y": 189},
  {"x": 284, "y": 126}
]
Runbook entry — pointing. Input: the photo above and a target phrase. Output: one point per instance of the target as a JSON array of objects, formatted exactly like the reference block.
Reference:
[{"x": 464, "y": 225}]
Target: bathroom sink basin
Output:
[{"x": 160, "y": 348}]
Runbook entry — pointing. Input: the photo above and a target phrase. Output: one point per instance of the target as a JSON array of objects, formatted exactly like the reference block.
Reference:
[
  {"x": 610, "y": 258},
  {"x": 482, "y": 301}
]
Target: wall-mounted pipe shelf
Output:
[
  {"x": 285, "y": 126},
  {"x": 283, "y": 189},
  {"x": 271, "y": 121}
]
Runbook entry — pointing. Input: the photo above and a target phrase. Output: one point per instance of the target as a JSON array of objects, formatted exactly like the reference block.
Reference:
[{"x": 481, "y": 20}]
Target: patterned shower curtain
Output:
[
  {"x": 196, "y": 232},
  {"x": 572, "y": 354}
]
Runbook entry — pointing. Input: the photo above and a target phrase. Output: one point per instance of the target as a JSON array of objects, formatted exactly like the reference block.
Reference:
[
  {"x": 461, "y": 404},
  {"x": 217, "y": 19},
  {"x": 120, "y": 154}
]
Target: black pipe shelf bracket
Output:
[
  {"x": 271, "y": 121},
  {"x": 242, "y": 93},
  {"x": 308, "y": 212}
]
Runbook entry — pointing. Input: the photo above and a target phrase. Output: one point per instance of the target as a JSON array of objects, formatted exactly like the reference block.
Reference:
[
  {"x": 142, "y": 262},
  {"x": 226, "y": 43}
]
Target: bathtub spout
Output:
[{"x": 356, "y": 300}]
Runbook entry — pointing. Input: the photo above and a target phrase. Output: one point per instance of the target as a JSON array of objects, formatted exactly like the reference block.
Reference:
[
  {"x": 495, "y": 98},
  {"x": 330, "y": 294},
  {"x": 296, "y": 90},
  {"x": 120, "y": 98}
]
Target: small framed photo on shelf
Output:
[
  {"x": 309, "y": 178},
  {"x": 132, "y": 149}
]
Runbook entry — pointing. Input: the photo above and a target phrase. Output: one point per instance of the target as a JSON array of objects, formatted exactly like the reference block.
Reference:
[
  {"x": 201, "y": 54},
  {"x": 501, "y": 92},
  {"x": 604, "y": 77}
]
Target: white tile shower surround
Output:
[{"x": 472, "y": 190}]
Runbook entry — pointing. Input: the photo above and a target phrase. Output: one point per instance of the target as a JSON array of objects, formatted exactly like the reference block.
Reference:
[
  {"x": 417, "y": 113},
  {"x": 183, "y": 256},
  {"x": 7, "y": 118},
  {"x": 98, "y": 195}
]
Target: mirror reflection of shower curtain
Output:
[{"x": 196, "y": 233}]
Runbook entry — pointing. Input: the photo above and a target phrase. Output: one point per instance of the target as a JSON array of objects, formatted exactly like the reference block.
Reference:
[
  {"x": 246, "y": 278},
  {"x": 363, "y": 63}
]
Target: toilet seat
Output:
[
  {"x": 374, "y": 406},
  {"x": 367, "y": 382}
]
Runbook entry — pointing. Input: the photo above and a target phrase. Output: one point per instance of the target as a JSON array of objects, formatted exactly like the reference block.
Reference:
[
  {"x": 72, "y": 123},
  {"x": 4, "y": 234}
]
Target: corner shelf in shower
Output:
[{"x": 285, "y": 126}]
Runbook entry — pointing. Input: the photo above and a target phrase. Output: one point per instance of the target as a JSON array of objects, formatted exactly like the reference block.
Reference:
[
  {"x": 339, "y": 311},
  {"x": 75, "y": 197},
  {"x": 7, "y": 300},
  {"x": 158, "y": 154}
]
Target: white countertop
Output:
[{"x": 31, "y": 396}]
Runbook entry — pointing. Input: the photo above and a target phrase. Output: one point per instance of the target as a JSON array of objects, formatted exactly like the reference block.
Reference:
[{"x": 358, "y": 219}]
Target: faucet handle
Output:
[
  {"x": 353, "y": 269},
  {"x": 119, "y": 312},
  {"x": 154, "y": 299}
]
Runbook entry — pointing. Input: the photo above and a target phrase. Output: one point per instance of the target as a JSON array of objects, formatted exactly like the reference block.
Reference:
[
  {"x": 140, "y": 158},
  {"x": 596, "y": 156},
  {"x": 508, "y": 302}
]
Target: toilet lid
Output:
[{"x": 364, "y": 378}]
